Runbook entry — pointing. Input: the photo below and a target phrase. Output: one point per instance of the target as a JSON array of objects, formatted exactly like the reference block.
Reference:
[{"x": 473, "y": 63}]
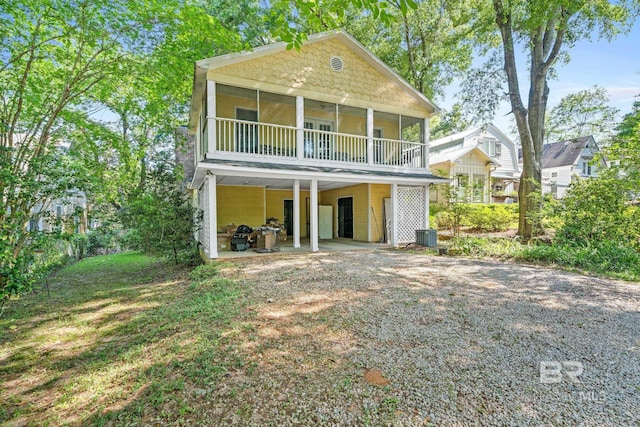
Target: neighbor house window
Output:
[{"x": 491, "y": 147}]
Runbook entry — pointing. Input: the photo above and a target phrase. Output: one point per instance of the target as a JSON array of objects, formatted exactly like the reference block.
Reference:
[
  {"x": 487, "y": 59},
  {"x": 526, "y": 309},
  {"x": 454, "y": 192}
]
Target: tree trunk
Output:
[{"x": 545, "y": 41}]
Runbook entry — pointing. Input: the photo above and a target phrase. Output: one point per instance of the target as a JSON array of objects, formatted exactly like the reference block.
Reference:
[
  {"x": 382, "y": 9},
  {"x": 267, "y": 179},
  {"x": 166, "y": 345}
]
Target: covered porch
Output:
[
  {"x": 363, "y": 206},
  {"x": 237, "y": 123}
]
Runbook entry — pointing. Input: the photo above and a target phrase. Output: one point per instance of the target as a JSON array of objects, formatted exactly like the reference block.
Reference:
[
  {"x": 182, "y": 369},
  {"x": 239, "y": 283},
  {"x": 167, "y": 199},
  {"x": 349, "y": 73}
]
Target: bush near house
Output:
[{"x": 480, "y": 217}]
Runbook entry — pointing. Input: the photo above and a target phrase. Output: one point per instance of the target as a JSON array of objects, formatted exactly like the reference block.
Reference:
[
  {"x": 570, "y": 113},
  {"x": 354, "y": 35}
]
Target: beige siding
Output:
[
  {"x": 360, "y": 195},
  {"x": 378, "y": 192},
  {"x": 275, "y": 206},
  {"x": 309, "y": 71},
  {"x": 240, "y": 205}
]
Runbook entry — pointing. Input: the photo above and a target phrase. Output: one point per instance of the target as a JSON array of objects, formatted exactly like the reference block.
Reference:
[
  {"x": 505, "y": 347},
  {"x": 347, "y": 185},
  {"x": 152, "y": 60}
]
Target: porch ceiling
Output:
[{"x": 276, "y": 183}]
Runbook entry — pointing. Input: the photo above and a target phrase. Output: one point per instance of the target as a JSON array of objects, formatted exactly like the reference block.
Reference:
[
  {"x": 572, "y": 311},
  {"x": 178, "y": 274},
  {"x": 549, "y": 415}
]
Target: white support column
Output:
[
  {"x": 213, "y": 217},
  {"x": 314, "y": 215},
  {"x": 296, "y": 213},
  {"x": 394, "y": 215},
  {"x": 426, "y": 206},
  {"x": 370, "y": 157},
  {"x": 211, "y": 117},
  {"x": 425, "y": 137},
  {"x": 300, "y": 127},
  {"x": 197, "y": 139}
]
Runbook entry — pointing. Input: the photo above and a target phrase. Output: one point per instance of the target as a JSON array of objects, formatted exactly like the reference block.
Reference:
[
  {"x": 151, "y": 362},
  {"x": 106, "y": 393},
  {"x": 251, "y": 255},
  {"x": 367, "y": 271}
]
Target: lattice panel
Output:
[
  {"x": 203, "y": 203},
  {"x": 411, "y": 213}
]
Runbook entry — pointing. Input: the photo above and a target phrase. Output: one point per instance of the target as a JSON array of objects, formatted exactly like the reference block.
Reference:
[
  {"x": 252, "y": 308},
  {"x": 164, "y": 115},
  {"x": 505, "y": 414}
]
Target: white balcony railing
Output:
[{"x": 264, "y": 139}]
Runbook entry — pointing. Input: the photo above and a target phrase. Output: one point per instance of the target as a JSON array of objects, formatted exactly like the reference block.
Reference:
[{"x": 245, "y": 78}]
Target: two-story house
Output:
[
  {"x": 281, "y": 132},
  {"x": 479, "y": 162},
  {"x": 564, "y": 161}
]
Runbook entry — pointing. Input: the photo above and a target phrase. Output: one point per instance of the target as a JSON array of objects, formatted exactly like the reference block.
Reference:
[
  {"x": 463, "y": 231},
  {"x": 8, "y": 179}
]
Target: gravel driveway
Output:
[{"x": 396, "y": 338}]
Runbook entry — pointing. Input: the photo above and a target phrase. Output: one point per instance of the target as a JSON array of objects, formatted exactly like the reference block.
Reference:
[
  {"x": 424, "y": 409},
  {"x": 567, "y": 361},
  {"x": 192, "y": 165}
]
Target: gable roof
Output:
[
  {"x": 563, "y": 153},
  {"x": 202, "y": 67},
  {"x": 469, "y": 133},
  {"x": 452, "y": 156}
]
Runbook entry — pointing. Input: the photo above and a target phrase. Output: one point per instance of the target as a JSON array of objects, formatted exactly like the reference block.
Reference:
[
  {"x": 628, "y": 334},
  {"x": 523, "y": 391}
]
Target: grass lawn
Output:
[{"x": 121, "y": 339}]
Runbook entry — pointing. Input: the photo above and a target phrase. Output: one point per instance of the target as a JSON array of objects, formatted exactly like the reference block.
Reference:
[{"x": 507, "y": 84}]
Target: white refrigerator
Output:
[{"x": 325, "y": 222}]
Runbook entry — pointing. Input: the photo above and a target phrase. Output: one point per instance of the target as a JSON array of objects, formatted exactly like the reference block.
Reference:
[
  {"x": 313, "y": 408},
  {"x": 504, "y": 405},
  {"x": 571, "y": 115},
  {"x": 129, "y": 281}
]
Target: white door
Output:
[{"x": 318, "y": 145}]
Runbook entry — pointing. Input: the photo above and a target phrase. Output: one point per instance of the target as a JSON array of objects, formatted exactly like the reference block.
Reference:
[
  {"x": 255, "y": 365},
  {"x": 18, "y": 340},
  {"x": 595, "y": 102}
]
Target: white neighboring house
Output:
[
  {"x": 482, "y": 156},
  {"x": 565, "y": 161},
  {"x": 71, "y": 211}
]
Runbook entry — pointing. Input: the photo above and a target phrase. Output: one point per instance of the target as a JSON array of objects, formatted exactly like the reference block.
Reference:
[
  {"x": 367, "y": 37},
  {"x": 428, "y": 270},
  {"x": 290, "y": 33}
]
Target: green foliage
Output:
[
  {"x": 597, "y": 210},
  {"x": 625, "y": 150},
  {"x": 417, "y": 41},
  {"x": 164, "y": 217},
  {"x": 102, "y": 240},
  {"x": 580, "y": 114},
  {"x": 491, "y": 217},
  {"x": 484, "y": 247},
  {"x": 607, "y": 257}
]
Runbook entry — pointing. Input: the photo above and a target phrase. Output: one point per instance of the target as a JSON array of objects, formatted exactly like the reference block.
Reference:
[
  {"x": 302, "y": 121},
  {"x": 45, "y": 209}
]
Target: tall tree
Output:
[
  {"x": 582, "y": 113},
  {"x": 60, "y": 61},
  {"x": 419, "y": 41},
  {"x": 543, "y": 28},
  {"x": 624, "y": 151}
]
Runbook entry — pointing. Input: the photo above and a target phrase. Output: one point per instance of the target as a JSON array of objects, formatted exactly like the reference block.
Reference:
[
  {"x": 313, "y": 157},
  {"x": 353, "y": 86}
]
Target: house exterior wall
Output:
[
  {"x": 360, "y": 194},
  {"x": 308, "y": 73},
  {"x": 377, "y": 194},
  {"x": 240, "y": 205},
  {"x": 507, "y": 157},
  {"x": 559, "y": 184},
  {"x": 275, "y": 206}
]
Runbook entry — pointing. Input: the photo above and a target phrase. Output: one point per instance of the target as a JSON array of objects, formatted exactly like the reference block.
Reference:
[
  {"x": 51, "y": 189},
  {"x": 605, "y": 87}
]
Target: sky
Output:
[{"x": 613, "y": 65}]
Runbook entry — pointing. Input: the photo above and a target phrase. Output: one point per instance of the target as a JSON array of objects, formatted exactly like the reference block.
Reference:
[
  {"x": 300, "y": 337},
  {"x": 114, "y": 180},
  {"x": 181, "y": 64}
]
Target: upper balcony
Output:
[{"x": 249, "y": 124}]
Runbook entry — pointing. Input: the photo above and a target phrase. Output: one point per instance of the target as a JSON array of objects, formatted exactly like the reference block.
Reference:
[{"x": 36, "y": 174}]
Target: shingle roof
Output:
[{"x": 563, "y": 153}]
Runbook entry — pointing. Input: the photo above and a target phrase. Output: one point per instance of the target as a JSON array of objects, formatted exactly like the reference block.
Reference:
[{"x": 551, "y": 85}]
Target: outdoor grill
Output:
[{"x": 240, "y": 240}]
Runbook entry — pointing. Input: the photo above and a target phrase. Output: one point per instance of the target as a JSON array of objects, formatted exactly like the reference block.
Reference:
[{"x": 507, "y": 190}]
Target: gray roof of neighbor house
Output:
[{"x": 563, "y": 153}]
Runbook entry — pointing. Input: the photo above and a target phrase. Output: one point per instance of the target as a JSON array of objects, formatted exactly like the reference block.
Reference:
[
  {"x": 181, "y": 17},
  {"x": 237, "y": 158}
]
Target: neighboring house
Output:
[
  {"x": 567, "y": 160},
  {"x": 322, "y": 139},
  {"x": 68, "y": 213},
  {"x": 481, "y": 162}
]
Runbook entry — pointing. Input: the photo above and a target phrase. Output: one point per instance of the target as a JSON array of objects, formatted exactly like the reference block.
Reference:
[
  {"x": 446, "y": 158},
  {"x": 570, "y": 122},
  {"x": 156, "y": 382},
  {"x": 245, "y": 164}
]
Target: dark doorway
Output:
[
  {"x": 288, "y": 217},
  {"x": 246, "y": 133},
  {"x": 345, "y": 217}
]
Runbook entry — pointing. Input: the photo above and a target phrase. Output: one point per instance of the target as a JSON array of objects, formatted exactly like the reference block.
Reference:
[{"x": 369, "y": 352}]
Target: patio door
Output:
[
  {"x": 345, "y": 217},
  {"x": 318, "y": 145},
  {"x": 288, "y": 217},
  {"x": 246, "y": 133}
]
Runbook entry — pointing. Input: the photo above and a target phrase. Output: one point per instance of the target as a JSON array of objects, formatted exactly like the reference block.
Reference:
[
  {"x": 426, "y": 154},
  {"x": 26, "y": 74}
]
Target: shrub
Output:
[
  {"x": 607, "y": 257},
  {"x": 596, "y": 210},
  {"x": 492, "y": 217}
]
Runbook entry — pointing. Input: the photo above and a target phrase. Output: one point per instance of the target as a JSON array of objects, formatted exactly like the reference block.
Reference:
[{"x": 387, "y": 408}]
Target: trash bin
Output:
[{"x": 427, "y": 238}]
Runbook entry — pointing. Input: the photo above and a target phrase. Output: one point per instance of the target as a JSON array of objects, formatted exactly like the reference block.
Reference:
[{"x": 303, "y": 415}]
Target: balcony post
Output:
[
  {"x": 314, "y": 215},
  {"x": 300, "y": 127},
  {"x": 296, "y": 213},
  {"x": 425, "y": 138},
  {"x": 370, "y": 157},
  {"x": 394, "y": 215},
  {"x": 427, "y": 197},
  {"x": 213, "y": 217},
  {"x": 211, "y": 118}
]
